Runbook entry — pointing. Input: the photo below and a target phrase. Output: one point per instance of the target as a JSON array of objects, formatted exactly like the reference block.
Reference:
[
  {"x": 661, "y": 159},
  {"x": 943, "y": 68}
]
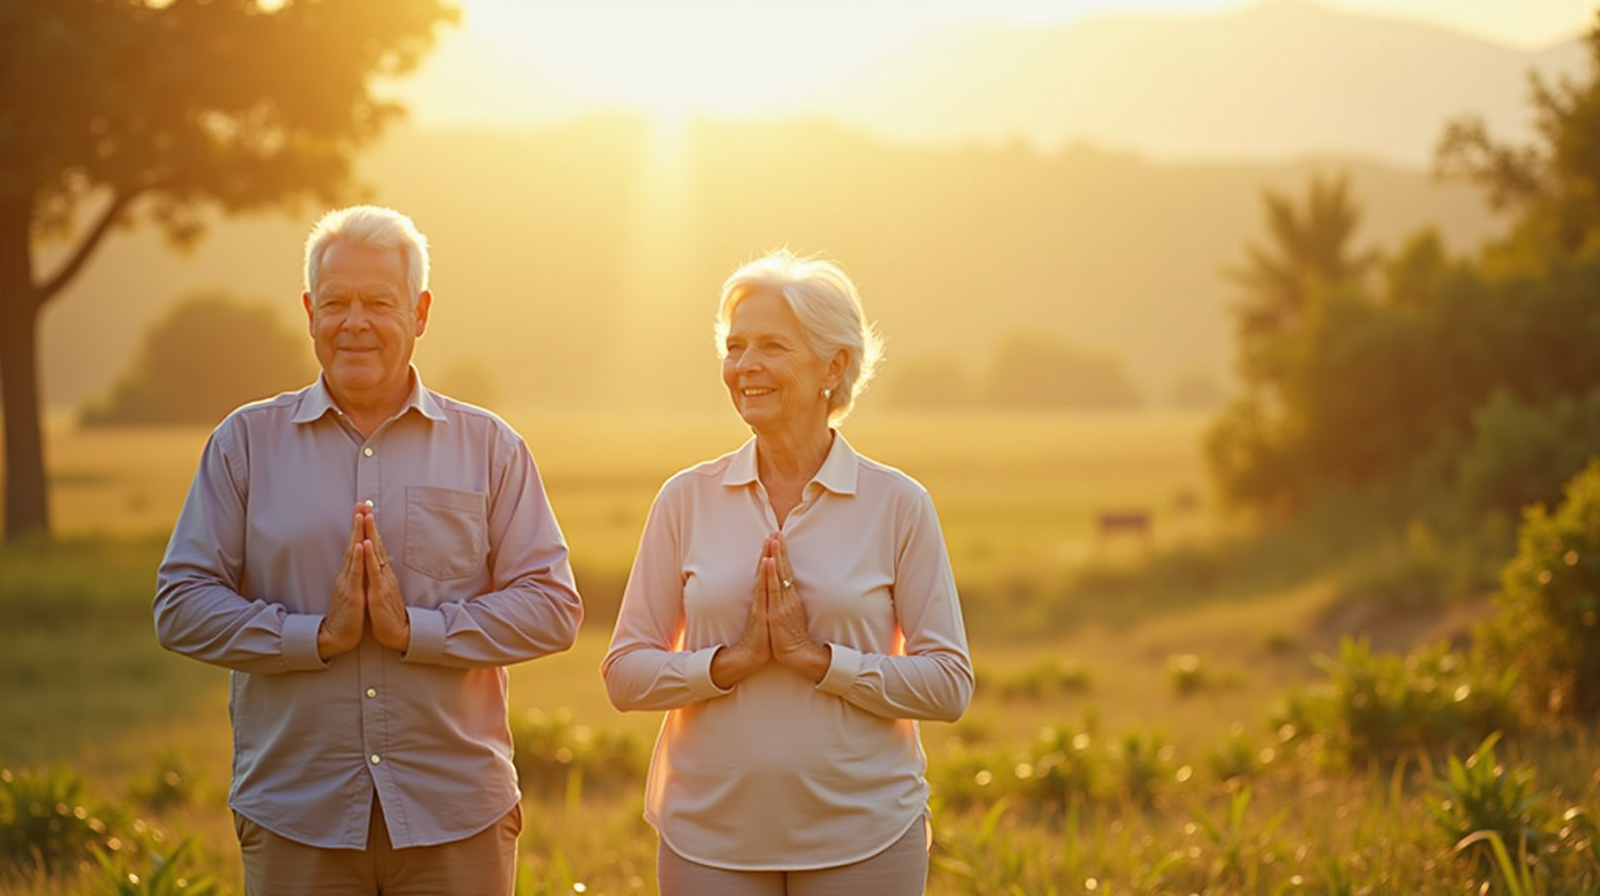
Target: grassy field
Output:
[{"x": 1162, "y": 659}]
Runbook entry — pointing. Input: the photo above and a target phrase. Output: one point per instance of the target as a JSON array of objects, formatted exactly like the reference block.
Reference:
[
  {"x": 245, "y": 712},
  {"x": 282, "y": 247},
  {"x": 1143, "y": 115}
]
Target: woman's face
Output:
[{"x": 773, "y": 377}]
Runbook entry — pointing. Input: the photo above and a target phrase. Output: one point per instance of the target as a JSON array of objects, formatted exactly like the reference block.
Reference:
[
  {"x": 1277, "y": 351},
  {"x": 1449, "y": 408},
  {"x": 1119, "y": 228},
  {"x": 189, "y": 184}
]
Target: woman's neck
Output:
[{"x": 791, "y": 456}]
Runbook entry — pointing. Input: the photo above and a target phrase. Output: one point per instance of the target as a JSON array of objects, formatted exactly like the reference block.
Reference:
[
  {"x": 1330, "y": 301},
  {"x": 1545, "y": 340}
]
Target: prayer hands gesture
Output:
[
  {"x": 776, "y": 629},
  {"x": 365, "y": 591}
]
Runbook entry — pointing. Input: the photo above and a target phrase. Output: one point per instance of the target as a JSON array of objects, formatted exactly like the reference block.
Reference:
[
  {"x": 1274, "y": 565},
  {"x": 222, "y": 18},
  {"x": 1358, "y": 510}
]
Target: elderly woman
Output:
[{"x": 793, "y": 610}]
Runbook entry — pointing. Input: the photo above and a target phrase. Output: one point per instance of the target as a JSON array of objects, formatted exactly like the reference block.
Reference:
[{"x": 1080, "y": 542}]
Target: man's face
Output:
[{"x": 363, "y": 323}]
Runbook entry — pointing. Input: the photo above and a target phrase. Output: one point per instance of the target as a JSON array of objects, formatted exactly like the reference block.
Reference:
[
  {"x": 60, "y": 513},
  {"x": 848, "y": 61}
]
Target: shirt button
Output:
[
  {"x": 367, "y": 451},
  {"x": 376, "y": 759},
  {"x": 372, "y": 692}
]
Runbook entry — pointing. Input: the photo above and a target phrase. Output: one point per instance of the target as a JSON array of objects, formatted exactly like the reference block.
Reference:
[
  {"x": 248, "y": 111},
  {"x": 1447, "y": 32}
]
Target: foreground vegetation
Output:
[{"x": 1151, "y": 717}]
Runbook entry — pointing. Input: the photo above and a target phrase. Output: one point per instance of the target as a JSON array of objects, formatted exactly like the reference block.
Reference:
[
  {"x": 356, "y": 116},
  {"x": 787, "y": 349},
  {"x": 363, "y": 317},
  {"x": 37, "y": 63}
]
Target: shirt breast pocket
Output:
[{"x": 446, "y": 531}]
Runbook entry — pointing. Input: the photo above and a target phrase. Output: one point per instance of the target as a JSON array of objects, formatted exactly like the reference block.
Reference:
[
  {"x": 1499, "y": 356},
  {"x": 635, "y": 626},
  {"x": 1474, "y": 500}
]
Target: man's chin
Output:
[{"x": 346, "y": 380}]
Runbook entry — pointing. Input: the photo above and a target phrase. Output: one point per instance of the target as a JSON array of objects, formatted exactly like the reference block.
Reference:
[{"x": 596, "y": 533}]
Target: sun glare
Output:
[{"x": 675, "y": 60}]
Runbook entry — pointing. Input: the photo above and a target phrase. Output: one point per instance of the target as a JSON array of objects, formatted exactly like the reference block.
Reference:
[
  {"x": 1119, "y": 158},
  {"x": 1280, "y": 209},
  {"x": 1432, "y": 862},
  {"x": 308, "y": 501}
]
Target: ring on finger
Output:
[{"x": 787, "y": 583}]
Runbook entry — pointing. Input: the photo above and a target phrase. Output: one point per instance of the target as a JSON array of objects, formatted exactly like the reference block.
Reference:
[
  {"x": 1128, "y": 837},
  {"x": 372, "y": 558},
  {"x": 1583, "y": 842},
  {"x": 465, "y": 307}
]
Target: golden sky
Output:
[{"x": 514, "y": 61}]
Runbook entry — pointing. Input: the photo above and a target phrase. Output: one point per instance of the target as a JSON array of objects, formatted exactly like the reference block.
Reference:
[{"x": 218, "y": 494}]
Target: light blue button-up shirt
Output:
[{"x": 482, "y": 567}]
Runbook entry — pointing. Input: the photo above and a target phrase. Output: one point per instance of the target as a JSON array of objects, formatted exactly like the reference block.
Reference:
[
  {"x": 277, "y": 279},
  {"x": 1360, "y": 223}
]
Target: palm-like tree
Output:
[{"x": 1304, "y": 247}]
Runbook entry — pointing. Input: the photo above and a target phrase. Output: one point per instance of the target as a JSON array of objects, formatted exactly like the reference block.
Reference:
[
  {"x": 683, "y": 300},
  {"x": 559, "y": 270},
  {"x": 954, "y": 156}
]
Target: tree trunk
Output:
[{"x": 27, "y": 512}]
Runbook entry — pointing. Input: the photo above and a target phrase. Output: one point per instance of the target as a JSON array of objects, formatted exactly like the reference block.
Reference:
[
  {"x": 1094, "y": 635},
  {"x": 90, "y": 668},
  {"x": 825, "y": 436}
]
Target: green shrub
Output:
[
  {"x": 1046, "y": 678},
  {"x": 1238, "y": 854},
  {"x": 47, "y": 823},
  {"x": 166, "y": 875},
  {"x": 1144, "y": 760},
  {"x": 1548, "y": 624},
  {"x": 1481, "y": 794},
  {"x": 1062, "y": 766},
  {"x": 1376, "y": 706},
  {"x": 1522, "y": 453},
  {"x": 1235, "y": 756},
  {"x": 173, "y": 782},
  {"x": 1186, "y": 673}
]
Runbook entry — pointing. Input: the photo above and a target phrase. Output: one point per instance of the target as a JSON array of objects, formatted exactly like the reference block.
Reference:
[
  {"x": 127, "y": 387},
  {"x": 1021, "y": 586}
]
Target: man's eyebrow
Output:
[{"x": 370, "y": 286}]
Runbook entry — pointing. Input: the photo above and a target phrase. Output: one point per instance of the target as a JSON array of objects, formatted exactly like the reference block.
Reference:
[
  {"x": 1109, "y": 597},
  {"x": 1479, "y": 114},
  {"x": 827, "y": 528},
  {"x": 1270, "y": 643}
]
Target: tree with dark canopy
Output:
[{"x": 117, "y": 111}]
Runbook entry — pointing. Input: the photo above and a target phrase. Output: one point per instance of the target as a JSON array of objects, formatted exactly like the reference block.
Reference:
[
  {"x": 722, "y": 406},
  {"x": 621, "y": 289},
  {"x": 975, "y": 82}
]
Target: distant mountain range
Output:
[
  {"x": 1090, "y": 182},
  {"x": 580, "y": 262},
  {"x": 1280, "y": 79}
]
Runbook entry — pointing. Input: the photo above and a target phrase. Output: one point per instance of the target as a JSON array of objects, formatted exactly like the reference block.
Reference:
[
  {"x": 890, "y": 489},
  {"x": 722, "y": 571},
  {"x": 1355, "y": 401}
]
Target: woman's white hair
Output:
[
  {"x": 830, "y": 311},
  {"x": 375, "y": 227}
]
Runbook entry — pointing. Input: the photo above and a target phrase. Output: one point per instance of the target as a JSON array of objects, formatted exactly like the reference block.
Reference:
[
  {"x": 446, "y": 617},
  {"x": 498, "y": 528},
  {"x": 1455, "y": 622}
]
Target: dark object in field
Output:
[{"x": 1113, "y": 522}]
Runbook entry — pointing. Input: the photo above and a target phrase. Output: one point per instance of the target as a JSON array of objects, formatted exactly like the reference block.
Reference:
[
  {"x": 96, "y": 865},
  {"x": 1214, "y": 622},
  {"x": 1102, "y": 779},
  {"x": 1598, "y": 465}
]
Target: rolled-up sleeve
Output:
[
  {"x": 199, "y": 610},
  {"x": 644, "y": 670},
  {"x": 933, "y": 680},
  {"x": 534, "y": 609}
]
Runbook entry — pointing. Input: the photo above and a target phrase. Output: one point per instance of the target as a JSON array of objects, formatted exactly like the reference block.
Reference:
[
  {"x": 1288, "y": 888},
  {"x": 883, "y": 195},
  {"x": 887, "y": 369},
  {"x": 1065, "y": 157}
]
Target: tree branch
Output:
[{"x": 108, "y": 218}]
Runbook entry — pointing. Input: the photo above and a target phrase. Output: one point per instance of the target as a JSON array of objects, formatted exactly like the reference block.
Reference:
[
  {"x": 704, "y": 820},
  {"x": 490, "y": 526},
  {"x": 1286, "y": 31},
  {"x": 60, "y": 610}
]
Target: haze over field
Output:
[{"x": 1087, "y": 179}]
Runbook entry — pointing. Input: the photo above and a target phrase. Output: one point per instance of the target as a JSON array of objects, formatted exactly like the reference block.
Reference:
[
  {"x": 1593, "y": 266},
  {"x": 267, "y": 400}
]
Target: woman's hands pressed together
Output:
[{"x": 776, "y": 629}]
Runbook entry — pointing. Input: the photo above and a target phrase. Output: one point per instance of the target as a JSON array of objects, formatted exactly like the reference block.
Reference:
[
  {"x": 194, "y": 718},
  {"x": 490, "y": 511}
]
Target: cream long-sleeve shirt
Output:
[{"x": 777, "y": 773}]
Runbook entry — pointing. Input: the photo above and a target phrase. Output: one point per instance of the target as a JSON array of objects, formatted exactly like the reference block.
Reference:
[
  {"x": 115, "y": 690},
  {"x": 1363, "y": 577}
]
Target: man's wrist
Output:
[{"x": 324, "y": 641}]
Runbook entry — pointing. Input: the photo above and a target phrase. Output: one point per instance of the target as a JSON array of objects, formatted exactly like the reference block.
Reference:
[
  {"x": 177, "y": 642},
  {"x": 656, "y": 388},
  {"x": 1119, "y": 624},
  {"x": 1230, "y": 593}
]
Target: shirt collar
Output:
[
  {"x": 318, "y": 401},
  {"x": 838, "y": 473}
]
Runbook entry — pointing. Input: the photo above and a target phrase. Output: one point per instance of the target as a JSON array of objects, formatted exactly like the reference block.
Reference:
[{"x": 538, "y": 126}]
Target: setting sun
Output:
[{"x": 671, "y": 59}]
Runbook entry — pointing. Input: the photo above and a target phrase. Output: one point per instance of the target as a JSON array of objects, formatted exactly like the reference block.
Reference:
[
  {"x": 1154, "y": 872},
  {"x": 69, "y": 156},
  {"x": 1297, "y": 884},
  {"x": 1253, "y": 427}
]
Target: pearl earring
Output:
[{"x": 827, "y": 393}]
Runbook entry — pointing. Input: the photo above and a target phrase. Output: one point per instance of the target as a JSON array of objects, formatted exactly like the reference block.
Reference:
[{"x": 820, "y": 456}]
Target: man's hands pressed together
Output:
[
  {"x": 365, "y": 590},
  {"x": 386, "y": 610}
]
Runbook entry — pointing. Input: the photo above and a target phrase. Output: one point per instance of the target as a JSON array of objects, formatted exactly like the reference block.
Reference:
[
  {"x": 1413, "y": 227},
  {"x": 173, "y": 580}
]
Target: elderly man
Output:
[{"x": 367, "y": 556}]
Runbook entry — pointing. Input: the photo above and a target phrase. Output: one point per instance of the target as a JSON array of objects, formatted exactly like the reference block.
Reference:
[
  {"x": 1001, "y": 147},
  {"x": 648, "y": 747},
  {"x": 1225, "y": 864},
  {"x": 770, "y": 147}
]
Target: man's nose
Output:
[{"x": 358, "y": 316}]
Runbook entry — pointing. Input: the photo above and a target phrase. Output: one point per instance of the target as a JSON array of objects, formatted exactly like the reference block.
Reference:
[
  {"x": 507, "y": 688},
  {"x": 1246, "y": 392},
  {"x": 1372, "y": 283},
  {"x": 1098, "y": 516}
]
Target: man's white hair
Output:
[{"x": 375, "y": 227}]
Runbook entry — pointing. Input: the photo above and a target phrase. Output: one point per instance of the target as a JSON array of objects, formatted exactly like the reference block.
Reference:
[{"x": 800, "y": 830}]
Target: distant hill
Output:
[
  {"x": 571, "y": 270},
  {"x": 1274, "y": 80}
]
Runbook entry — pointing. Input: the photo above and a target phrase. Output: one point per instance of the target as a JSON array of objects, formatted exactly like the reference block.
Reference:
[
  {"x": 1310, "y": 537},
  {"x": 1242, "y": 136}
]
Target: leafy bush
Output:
[
  {"x": 1522, "y": 452},
  {"x": 1046, "y": 678},
  {"x": 1145, "y": 762},
  {"x": 168, "y": 875},
  {"x": 1062, "y": 766},
  {"x": 1186, "y": 673},
  {"x": 1235, "y": 756},
  {"x": 1481, "y": 794},
  {"x": 1379, "y": 706},
  {"x": 1240, "y": 853},
  {"x": 1548, "y": 624},
  {"x": 47, "y": 823},
  {"x": 1502, "y": 825},
  {"x": 173, "y": 782}
]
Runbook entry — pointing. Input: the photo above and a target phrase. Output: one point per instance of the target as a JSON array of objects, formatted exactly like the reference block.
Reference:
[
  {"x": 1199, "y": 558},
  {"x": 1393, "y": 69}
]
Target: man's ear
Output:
[
  {"x": 424, "y": 304},
  {"x": 305, "y": 299}
]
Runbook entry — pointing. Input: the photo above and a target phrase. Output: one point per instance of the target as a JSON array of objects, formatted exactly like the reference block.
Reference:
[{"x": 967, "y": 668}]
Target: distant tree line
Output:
[
  {"x": 1471, "y": 384},
  {"x": 1035, "y": 371},
  {"x": 213, "y": 352},
  {"x": 209, "y": 354}
]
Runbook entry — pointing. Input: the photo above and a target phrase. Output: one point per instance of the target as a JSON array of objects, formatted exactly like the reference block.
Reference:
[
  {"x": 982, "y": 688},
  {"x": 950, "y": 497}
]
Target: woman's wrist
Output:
[
  {"x": 731, "y": 664},
  {"x": 810, "y": 660}
]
